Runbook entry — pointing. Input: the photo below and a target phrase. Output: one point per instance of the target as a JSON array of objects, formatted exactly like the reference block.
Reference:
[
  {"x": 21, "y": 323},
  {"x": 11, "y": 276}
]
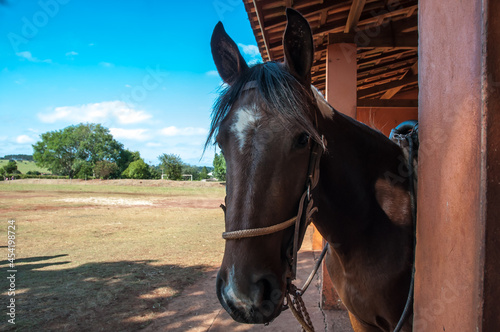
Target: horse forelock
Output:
[{"x": 276, "y": 91}]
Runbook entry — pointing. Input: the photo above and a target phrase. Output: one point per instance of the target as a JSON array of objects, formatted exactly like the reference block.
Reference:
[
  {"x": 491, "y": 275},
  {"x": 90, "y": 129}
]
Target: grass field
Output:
[
  {"x": 105, "y": 256},
  {"x": 26, "y": 166}
]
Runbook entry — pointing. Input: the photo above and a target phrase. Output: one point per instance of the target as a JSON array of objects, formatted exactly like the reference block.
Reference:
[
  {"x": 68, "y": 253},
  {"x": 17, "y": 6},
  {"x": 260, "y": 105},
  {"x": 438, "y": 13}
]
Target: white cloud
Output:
[
  {"x": 250, "y": 50},
  {"x": 28, "y": 56},
  {"x": 97, "y": 112},
  {"x": 132, "y": 134},
  {"x": 251, "y": 54},
  {"x": 153, "y": 144},
  {"x": 24, "y": 139},
  {"x": 188, "y": 131},
  {"x": 72, "y": 53},
  {"x": 212, "y": 73},
  {"x": 254, "y": 62},
  {"x": 106, "y": 64}
]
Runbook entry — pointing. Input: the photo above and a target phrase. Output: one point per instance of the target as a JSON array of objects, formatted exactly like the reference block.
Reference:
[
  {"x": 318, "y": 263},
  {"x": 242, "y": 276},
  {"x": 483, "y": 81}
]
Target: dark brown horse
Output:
[{"x": 268, "y": 122}]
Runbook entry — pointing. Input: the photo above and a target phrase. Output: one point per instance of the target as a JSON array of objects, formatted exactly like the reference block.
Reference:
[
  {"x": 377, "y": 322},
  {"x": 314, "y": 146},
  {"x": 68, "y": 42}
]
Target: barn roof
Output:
[{"x": 386, "y": 32}]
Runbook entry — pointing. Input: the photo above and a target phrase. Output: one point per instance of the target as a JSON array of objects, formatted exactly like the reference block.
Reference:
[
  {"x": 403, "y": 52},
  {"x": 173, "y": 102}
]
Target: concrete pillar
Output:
[
  {"x": 341, "y": 76},
  {"x": 457, "y": 286}
]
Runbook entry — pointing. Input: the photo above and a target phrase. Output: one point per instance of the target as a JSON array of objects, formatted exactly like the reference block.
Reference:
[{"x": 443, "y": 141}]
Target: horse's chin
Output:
[{"x": 253, "y": 316}]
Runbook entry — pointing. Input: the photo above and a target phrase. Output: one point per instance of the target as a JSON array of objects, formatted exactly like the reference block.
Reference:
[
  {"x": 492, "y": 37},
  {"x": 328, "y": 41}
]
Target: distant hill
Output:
[
  {"x": 18, "y": 157},
  {"x": 24, "y": 166}
]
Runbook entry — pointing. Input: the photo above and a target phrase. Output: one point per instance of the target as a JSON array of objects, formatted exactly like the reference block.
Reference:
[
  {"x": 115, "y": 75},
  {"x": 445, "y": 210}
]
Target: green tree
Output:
[
  {"x": 137, "y": 170},
  {"x": 11, "y": 167},
  {"x": 204, "y": 173},
  {"x": 105, "y": 169},
  {"x": 220, "y": 167},
  {"x": 56, "y": 151},
  {"x": 155, "y": 172},
  {"x": 96, "y": 143},
  {"x": 172, "y": 166},
  {"x": 82, "y": 169},
  {"x": 126, "y": 157},
  {"x": 60, "y": 150},
  {"x": 192, "y": 170}
]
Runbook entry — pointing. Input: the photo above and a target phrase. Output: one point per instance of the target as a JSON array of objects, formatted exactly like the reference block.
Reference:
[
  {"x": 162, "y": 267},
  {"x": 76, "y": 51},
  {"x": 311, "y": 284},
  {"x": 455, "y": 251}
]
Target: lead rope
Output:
[
  {"x": 298, "y": 308},
  {"x": 409, "y": 300}
]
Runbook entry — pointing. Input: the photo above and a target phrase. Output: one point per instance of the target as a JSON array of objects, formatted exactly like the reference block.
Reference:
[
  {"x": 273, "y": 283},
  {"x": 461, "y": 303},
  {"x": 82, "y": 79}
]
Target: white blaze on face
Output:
[
  {"x": 233, "y": 295},
  {"x": 246, "y": 119}
]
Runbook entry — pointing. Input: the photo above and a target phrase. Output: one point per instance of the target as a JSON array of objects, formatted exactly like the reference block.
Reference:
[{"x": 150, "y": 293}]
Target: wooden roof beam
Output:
[
  {"x": 390, "y": 93},
  {"x": 354, "y": 15},
  {"x": 393, "y": 55},
  {"x": 260, "y": 19},
  {"x": 388, "y": 35},
  {"x": 407, "y": 41},
  {"x": 334, "y": 26},
  {"x": 388, "y": 86},
  {"x": 307, "y": 12},
  {"x": 397, "y": 63}
]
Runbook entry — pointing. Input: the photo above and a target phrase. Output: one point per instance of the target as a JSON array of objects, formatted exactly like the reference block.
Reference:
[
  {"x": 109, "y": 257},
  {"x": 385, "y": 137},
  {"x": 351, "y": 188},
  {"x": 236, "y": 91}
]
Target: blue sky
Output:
[{"x": 143, "y": 69}]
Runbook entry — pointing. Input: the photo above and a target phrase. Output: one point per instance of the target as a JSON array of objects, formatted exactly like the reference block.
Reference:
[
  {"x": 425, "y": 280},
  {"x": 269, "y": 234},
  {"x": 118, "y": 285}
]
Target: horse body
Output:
[
  {"x": 266, "y": 123},
  {"x": 365, "y": 215}
]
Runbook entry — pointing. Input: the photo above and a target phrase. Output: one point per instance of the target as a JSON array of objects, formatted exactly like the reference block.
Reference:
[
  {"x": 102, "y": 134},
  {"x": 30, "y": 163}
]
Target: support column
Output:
[
  {"x": 341, "y": 77},
  {"x": 457, "y": 287}
]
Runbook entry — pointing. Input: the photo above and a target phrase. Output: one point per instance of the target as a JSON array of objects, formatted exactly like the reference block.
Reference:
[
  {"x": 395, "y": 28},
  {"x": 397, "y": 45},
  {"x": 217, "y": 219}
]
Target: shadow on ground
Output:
[
  {"x": 101, "y": 296},
  {"x": 198, "y": 309}
]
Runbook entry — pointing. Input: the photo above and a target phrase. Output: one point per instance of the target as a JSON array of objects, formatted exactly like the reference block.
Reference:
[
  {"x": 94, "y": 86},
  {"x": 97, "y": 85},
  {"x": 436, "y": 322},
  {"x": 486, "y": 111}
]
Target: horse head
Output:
[{"x": 264, "y": 124}]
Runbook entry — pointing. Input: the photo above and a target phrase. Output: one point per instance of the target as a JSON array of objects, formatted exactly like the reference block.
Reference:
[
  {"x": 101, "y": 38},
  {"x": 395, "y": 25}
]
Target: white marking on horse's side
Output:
[
  {"x": 394, "y": 200},
  {"x": 325, "y": 108},
  {"x": 246, "y": 119}
]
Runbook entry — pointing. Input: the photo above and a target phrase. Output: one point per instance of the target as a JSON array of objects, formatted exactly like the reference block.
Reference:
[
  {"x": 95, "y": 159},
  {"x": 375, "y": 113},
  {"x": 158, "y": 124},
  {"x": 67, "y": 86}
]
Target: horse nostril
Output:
[{"x": 269, "y": 294}]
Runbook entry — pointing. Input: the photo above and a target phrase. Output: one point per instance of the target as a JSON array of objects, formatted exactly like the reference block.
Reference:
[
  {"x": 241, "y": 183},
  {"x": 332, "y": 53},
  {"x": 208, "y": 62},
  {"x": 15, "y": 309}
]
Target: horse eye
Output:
[{"x": 302, "y": 140}]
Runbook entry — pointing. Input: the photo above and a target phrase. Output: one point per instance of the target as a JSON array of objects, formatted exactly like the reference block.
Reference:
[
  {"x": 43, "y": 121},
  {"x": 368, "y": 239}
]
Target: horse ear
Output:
[
  {"x": 298, "y": 46},
  {"x": 227, "y": 57}
]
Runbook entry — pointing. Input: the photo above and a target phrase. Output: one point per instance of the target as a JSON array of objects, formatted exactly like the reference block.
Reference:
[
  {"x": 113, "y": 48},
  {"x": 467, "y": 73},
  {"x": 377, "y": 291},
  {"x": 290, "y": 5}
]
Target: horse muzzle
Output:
[{"x": 250, "y": 302}]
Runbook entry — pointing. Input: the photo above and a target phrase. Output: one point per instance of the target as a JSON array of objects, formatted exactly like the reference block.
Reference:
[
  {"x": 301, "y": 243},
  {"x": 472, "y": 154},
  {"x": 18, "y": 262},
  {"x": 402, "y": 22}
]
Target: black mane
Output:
[{"x": 278, "y": 91}]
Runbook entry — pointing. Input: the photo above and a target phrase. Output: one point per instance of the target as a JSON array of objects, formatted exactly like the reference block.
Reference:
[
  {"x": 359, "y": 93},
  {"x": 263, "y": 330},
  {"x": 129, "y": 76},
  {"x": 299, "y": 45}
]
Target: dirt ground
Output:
[
  {"x": 197, "y": 309},
  {"x": 125, "y": 182},
  {"x": 142, "y": 299}
]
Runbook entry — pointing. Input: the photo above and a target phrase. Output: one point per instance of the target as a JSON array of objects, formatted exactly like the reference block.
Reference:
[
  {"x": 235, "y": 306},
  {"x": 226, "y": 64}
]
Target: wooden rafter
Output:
[
  {"x": 369, "y": 19},
  {"x": 354, "y": 15},
  {"x": 391, "y": 85},
  {"x": 383, "y": 61},
  {"x": 391, "y": 92},
  {"x": 259, "y": 15}
]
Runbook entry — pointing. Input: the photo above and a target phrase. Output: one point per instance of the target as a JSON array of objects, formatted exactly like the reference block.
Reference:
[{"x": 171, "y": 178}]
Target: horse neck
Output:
[{"x": 360, "y": 182}]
